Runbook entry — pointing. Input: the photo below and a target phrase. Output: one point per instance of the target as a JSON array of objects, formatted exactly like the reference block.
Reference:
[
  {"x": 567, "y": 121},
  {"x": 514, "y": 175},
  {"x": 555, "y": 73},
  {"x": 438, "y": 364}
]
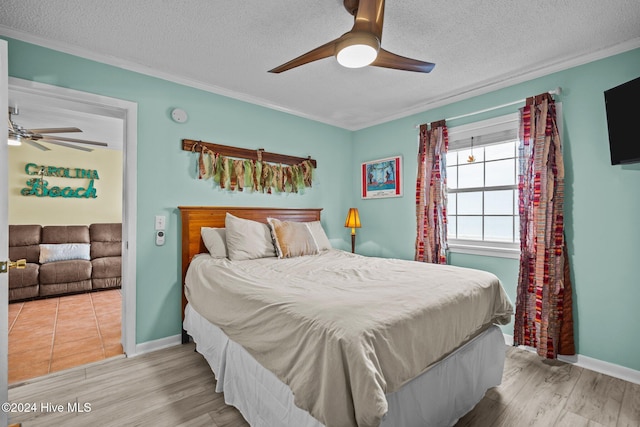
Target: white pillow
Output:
[
  {"x": 248, "y": 239},
  {"x": 215, "y": 239},
  {"x": 64, "y": 251},
  {"x": 319, "y": 235}
]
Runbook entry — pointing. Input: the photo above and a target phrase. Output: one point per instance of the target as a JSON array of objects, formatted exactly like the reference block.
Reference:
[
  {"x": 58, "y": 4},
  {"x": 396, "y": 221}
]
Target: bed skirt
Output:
[{"x": 438, "y": 397}]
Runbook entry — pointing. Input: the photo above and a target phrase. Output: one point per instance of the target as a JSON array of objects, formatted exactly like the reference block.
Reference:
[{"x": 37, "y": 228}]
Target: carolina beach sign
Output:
[{"x": 40, "y": 188}]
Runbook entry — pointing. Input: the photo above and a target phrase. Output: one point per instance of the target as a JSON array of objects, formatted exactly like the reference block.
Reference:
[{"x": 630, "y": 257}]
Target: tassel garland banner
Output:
[{"x": 254, "y": 175}]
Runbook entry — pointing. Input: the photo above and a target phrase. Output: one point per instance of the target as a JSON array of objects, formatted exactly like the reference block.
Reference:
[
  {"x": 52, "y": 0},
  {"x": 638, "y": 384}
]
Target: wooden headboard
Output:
[{"x": 195, "y": 217}]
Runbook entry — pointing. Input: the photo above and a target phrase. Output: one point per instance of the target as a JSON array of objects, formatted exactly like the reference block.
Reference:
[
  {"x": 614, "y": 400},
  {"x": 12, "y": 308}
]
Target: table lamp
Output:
[{"x": 353, "y": 222}]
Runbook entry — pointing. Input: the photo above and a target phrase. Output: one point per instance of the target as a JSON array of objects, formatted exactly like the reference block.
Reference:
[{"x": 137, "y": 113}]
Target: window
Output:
[{"x": 482, "y": 201}]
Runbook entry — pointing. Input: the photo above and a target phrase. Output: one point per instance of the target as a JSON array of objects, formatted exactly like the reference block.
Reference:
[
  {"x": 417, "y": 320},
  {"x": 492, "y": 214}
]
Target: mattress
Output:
[
  {"x": 438, "y": 397},
  {"x": 344, "y": 331}
]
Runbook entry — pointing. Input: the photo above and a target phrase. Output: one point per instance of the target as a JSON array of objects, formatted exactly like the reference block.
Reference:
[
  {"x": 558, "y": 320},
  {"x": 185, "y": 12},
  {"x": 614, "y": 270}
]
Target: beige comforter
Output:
[{"x": 342, "y": 330}]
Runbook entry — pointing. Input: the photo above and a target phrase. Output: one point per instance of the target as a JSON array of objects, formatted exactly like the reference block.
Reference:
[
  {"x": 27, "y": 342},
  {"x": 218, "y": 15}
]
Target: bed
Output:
[{"x": 333, "y": 338}]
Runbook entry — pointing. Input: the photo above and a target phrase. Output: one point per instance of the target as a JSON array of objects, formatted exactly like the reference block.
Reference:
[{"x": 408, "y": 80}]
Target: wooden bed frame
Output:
[{"x": 195, "y": 217}]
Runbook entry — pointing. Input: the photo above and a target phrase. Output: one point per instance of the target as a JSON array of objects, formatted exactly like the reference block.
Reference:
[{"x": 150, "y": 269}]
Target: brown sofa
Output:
[{"x": 59, "y": 277}]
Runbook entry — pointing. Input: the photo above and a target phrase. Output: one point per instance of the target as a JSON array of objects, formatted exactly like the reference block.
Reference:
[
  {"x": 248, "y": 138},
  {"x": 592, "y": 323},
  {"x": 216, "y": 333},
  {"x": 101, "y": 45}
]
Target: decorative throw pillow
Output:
[
  {"x": 247, "y": 239},
  {"x": 292, "y": 239},
  {"x": 64, "y": 251},
  {"x": 215, "y": 239},
  {"x": 319, "y": 235}
]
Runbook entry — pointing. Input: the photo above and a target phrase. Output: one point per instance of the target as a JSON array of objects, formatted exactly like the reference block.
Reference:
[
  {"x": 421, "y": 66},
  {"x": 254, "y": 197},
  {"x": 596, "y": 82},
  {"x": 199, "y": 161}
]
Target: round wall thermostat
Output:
[{"x": 179, "y": 115}]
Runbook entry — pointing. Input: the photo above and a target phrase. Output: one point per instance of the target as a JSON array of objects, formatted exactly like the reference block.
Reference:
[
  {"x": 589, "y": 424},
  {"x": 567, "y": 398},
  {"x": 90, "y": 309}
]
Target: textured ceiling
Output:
[{"x": 227, "y": 47}]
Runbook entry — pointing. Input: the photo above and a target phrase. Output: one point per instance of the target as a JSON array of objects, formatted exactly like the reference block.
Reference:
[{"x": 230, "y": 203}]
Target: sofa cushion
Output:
[
  {"x": 106, "y": 232},
  {"x": 65, "y": 234},
  {"x": 23, "y": 277},
  {"x": 106, "y": 267},
  {"x": 106, "y": 240},
  {"x": 65, "y": 272},
  {"x": 105, "y": 249},
  {"x": 24, "y": 242}
]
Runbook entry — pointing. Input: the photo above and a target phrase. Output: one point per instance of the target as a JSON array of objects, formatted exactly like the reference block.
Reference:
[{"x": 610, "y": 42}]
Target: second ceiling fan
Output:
[
  {"x": 33, "y": 137},
  {"x": 360, "y": 46}
]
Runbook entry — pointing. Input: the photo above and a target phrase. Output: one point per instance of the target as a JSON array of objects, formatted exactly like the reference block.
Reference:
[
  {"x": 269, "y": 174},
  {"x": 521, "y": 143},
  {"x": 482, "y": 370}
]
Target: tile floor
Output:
[{"x": 53, "y": 334}]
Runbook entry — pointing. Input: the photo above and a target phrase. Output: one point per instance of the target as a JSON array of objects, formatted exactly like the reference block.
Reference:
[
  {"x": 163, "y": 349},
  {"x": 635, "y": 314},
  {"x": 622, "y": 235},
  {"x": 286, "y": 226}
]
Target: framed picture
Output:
[{"x": 381, "y": 178}]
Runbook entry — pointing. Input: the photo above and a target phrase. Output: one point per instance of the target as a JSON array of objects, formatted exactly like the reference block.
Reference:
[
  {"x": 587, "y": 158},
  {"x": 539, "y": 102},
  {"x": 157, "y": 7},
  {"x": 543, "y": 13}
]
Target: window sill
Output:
[{"x": 485, "y": 250}]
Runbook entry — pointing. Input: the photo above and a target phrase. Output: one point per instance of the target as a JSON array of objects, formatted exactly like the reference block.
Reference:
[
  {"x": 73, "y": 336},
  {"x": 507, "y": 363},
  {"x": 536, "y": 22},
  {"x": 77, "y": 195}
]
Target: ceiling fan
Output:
[
  {"x": 33, "y": 137},
  {"x": 360, "y": 46}
]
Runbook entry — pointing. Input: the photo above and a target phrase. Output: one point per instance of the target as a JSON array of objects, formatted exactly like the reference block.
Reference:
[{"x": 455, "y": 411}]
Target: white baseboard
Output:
[
  {"x": 592, "y": 364},
  {"x": 154, "y": 345}
]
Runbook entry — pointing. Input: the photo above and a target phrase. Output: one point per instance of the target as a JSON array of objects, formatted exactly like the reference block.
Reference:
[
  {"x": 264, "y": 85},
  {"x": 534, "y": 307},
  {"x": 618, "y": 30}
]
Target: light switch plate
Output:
[{"x": 161, "y": 222}]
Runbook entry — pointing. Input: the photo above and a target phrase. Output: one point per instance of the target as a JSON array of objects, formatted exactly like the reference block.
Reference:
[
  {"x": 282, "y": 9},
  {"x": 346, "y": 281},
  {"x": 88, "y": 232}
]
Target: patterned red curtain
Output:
[
  {"x": 431, "y": 194},
  {"x": 543, "y": 306}
]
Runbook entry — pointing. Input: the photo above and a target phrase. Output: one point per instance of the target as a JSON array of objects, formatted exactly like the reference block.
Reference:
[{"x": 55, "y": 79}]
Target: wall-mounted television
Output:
[{"x": 623, "y": 112}]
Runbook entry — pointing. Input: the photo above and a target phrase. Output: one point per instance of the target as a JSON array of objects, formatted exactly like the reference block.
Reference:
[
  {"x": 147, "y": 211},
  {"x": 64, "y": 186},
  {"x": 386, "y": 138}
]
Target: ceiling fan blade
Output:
[
  {"x": 54, "y": 130},
  {"x": 370, "y": 17},
  {"x": 35, "y": 144},
  {"x": 79, "y": 141},
  {"x": 324, "y": 51},
  {"x": 387, "y": 59},
  {"x": 64, "y": 144}
]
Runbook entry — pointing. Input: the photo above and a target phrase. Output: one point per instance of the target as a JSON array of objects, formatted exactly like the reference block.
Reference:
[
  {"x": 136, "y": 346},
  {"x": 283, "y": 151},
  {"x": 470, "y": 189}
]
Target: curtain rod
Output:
[
  {"x": 556, "y": 91},
  {"x": 244, "y": 153}
]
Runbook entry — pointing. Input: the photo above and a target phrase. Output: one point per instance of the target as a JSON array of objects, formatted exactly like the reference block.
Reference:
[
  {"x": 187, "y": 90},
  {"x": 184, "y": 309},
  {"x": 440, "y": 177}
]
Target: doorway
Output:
[{"x": 85, "y": 106}]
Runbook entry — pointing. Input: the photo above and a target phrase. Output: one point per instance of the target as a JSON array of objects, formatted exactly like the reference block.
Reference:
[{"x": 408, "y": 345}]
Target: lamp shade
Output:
[{"x": 353, "y": 218}]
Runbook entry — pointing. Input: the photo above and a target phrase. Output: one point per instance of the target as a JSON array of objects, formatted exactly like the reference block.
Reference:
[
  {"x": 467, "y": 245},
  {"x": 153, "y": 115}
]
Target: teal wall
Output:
[
  {"x": 602, "y": 201},
  {"x": 601, "y": 207},
  {"x": 166, "y": 174}
]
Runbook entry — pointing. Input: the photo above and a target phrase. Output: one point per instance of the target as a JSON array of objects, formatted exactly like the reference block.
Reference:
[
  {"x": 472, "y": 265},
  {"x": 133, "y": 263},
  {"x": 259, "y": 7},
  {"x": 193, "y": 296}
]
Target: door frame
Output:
[
  {"x": 128, "y": 112},
  {"x": 4, "y": 239}
]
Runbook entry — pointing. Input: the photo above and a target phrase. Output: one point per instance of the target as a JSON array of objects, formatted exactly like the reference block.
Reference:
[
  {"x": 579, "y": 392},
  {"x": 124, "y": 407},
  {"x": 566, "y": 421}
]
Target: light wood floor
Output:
[
  {"x": 54, "y": 334},
  {"x": 175, "y": 387}
]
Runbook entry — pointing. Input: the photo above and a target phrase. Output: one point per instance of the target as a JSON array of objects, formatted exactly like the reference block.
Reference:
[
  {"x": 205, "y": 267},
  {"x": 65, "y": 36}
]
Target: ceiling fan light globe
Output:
[
  {"x": 357, "y": 49},
  {"x": 14, "y": 140},
  {"x": 357, "y": 56}
]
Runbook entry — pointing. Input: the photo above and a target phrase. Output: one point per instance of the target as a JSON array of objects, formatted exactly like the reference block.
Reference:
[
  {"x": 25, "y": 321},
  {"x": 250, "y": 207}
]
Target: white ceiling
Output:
[{"x": 227, "y": 47}]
